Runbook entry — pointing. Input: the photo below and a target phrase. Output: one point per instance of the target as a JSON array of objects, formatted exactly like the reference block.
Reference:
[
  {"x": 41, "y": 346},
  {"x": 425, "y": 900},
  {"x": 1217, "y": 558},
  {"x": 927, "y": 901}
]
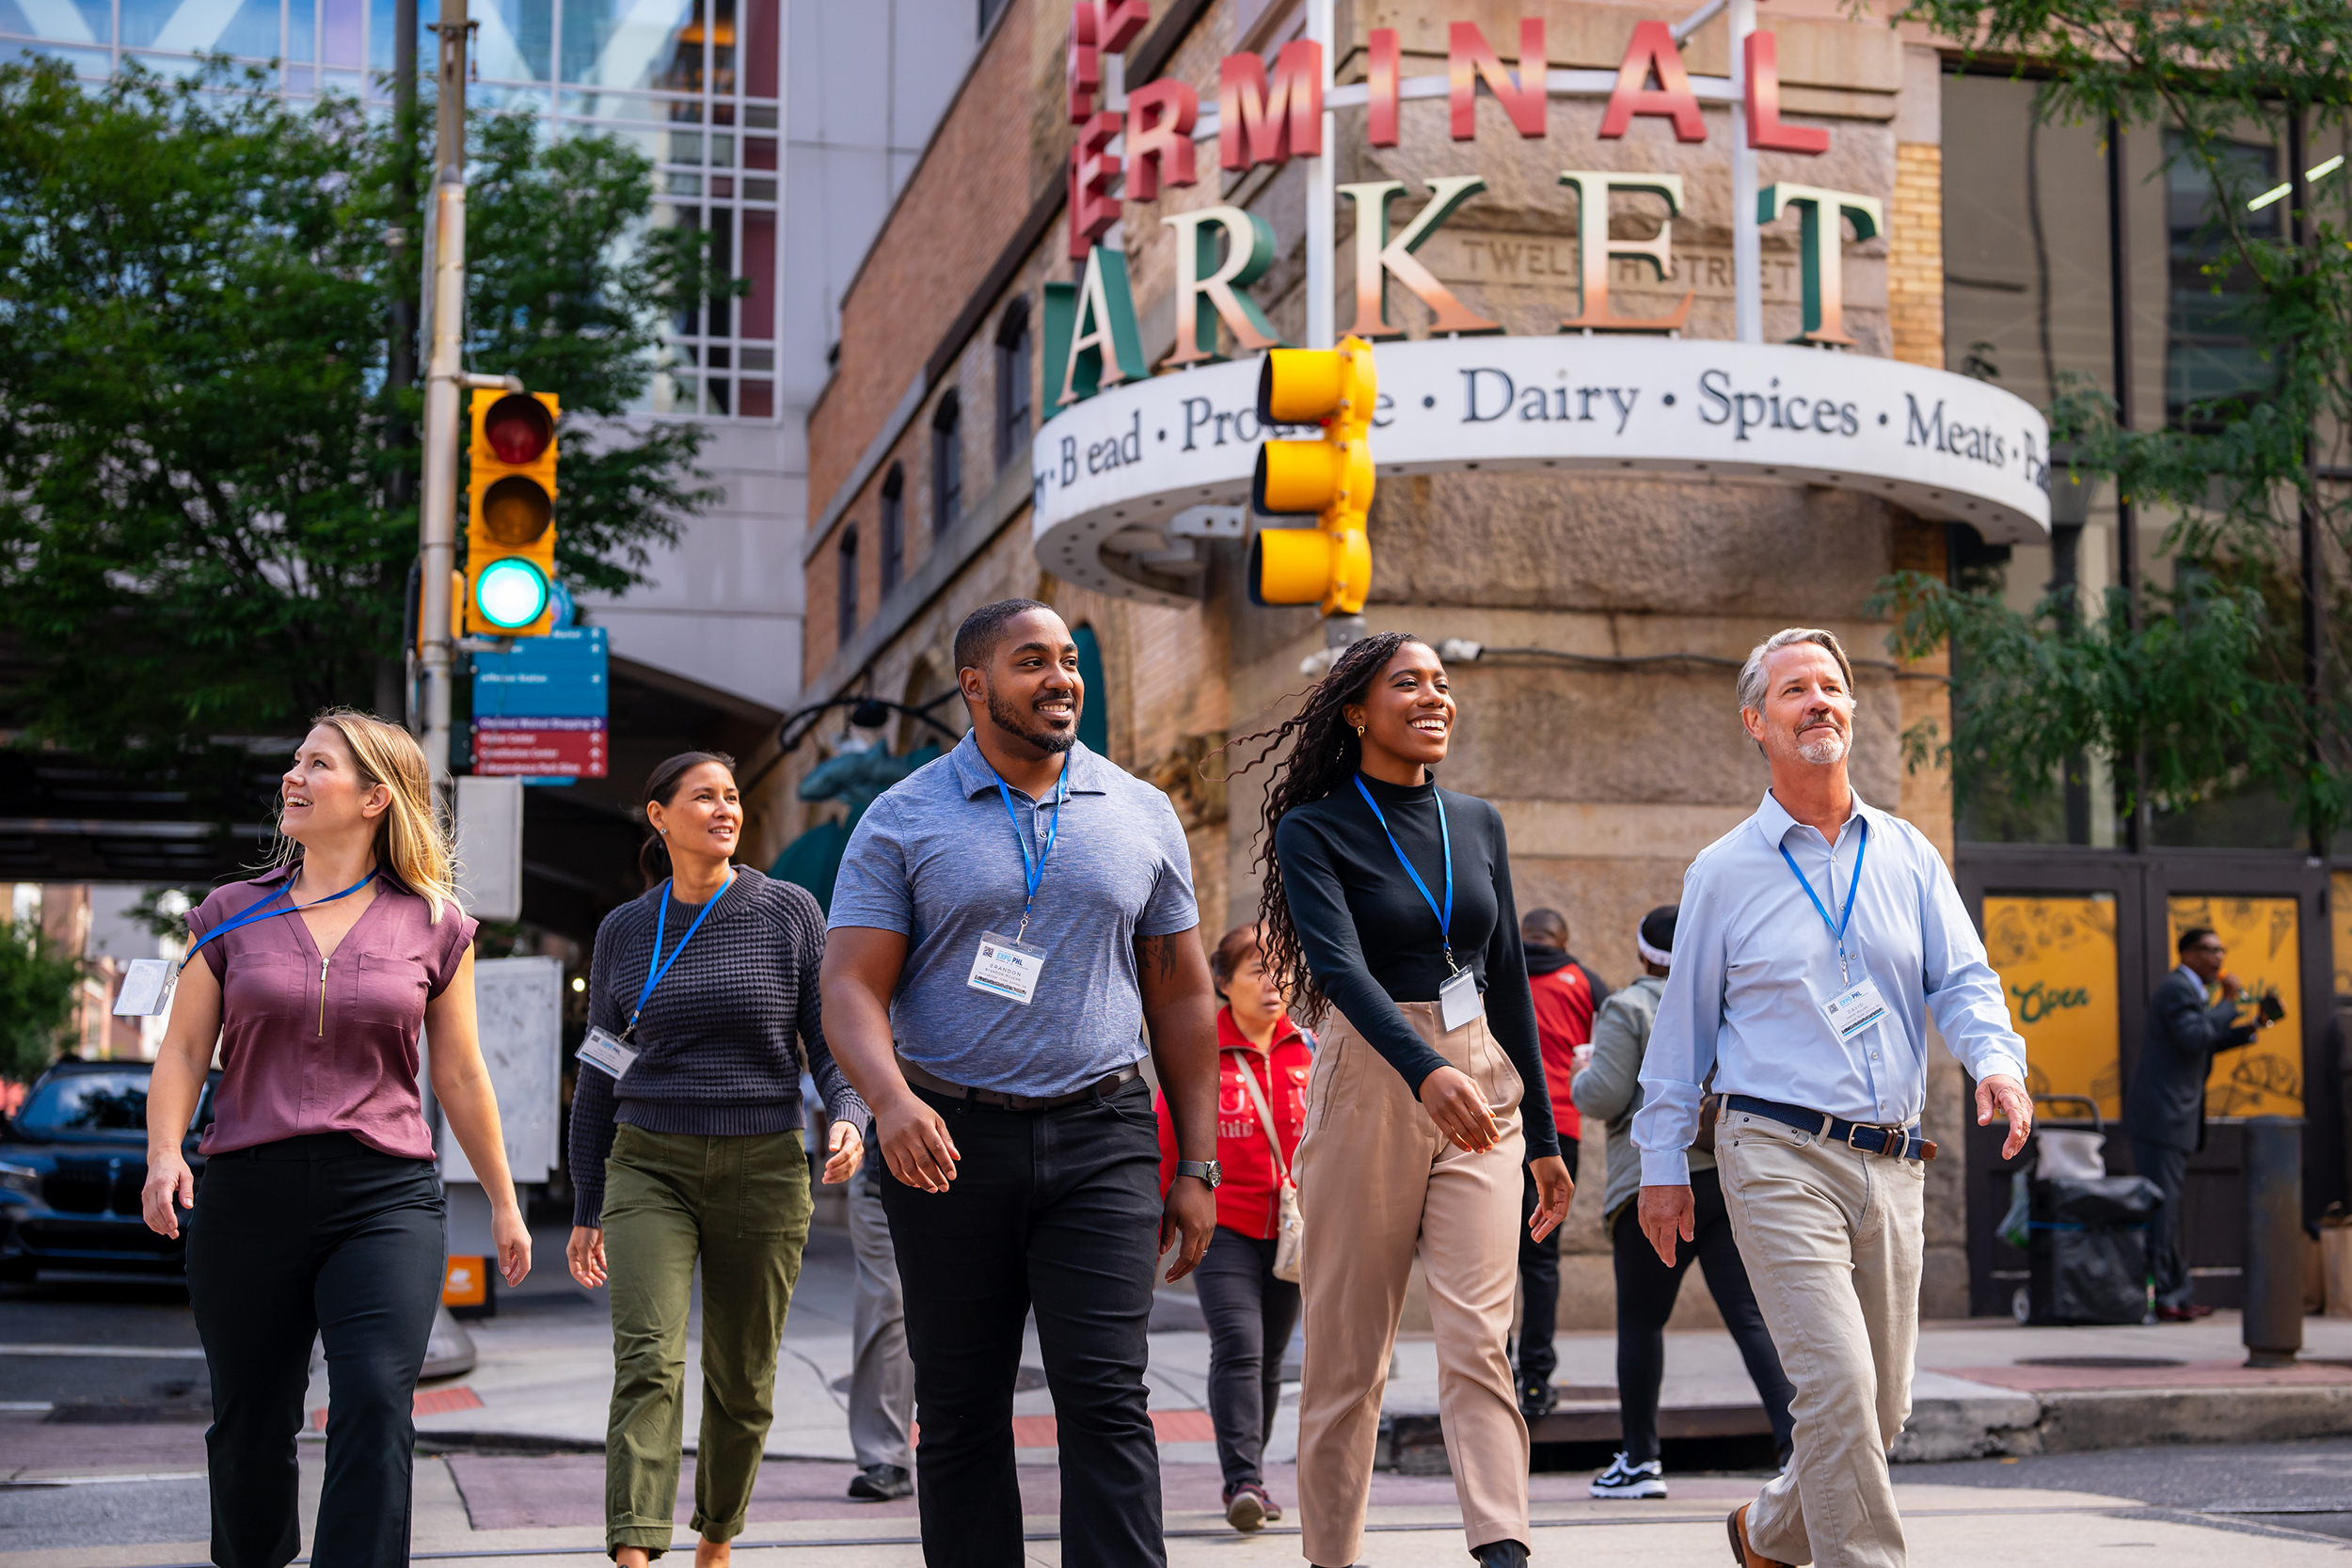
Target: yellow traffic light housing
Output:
[
  {"x": 1329, "y": 565},
  {"x": 510, "y": 514}
]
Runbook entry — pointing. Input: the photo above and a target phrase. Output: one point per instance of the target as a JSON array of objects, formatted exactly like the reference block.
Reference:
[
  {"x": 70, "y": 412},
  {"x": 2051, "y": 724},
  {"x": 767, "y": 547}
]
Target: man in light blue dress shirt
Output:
[{"x": 1814, "y": 939}]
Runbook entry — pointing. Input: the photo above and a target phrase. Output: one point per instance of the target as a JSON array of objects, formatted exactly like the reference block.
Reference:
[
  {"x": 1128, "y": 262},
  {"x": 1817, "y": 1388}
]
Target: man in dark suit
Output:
[{"x": 2164, "y": 1114}]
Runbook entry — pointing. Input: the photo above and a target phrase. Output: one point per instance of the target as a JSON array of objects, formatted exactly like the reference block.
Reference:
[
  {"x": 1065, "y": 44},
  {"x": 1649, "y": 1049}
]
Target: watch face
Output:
[{"x": 1215, "y": 1174}]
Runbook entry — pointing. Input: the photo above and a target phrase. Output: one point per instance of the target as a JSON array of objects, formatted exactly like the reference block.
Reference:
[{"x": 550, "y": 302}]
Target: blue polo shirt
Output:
[{"x": 936, "y": 859}]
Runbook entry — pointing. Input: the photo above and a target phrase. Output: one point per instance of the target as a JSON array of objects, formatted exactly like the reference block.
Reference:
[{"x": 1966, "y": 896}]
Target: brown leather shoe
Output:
[{"x": 1741, "y": 1553}]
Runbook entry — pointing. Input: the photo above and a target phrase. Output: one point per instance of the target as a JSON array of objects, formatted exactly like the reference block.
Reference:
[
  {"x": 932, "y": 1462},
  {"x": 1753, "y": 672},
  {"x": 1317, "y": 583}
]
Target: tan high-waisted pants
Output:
[{"x": 1377, "y": 1182}]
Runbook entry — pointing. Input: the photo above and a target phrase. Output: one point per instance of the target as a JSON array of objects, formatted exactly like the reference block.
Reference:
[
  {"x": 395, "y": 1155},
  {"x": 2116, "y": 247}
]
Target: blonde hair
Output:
[{"x": 413, "y": 837}]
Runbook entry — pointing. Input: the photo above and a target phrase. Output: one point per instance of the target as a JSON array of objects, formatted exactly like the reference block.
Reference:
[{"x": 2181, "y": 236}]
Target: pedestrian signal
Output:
[
  {"x": 510, "y": 514},
  {"x": 1329, "y": 565}
]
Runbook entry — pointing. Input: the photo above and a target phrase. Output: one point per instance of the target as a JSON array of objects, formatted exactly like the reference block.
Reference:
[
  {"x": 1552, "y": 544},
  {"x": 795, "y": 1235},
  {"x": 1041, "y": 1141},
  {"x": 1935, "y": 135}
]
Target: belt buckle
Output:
[{"x": 1899, "y": 1137}]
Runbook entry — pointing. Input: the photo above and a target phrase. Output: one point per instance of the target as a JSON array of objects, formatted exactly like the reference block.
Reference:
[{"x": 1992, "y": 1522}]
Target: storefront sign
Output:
[{"x": 1111, "y": 473}]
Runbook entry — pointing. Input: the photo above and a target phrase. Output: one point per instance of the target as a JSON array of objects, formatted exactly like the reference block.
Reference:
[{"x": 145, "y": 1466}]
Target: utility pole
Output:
[{"x": 445, "y": 316}]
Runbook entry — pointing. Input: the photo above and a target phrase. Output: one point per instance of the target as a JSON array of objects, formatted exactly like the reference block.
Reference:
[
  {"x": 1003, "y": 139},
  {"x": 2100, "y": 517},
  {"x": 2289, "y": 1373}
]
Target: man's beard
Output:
[
  {"x": 1020, "y": 723},
  {"x": 1824, "y": 752}
]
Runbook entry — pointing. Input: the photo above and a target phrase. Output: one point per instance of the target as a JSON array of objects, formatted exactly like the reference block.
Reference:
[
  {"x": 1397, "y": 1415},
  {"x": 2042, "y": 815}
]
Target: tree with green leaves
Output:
[
  {"x": 38, "y": 982},
  {"x": 2213, "y": 684},
  {"x": 203, "y": 528}
]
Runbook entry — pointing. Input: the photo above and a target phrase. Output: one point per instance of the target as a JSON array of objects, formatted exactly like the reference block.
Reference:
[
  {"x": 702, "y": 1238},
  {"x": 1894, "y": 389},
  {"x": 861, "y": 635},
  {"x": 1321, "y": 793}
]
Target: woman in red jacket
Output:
[{"x": 1262, "y": 1060}]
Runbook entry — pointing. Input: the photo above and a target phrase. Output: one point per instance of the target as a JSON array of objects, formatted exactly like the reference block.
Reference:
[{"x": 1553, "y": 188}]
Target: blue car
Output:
[{"x": 72, "y": 1160}]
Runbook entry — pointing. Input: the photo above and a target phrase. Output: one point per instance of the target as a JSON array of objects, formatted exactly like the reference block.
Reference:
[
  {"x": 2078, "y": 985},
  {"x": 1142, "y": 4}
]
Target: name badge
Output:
[
  {"x": 1854, "y": 1009},
  {"x": 606, "y": 1054},
  {"x": 1459, "y": 1001},
  {"x": 146, "y": 988},
  {"x": 1006, "y": 968}
]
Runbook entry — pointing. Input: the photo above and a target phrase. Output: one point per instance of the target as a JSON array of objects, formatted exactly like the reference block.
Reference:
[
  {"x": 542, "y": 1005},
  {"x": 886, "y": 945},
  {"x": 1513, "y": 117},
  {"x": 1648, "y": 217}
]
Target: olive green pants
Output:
[{"x": 741, "y": 1204}]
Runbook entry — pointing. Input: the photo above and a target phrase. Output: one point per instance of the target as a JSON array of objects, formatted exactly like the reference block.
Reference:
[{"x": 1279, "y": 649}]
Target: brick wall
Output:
[{"x": 1914, "y": 260}]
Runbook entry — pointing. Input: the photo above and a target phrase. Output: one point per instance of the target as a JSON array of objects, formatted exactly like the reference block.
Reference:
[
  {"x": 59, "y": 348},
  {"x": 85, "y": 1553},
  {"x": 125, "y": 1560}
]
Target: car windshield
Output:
[{"x": 95, "y": 1103}]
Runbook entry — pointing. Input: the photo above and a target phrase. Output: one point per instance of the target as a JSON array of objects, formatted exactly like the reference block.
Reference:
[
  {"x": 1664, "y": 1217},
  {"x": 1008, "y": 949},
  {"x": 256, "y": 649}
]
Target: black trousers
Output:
[
  {"x": 2168, "y": 1168},
  {"x": 1059, "y": 1211},
  {"x": 1647, "y": 1289},
  {"x": 1250, "y": 1315},
  {"x": 314, "y": 1236},
  {"x": 1533, "y": 1359}
]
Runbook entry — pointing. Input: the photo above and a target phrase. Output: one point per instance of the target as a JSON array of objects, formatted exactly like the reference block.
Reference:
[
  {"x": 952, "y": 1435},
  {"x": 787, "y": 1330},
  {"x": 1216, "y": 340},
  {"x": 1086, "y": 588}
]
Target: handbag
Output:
[{"x": 1290, "y": 1224}]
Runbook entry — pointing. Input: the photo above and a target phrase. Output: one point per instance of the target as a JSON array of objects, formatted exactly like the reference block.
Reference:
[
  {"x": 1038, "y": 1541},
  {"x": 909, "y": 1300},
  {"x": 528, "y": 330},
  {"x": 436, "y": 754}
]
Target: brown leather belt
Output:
[{"x": 1102, "y": 1088}]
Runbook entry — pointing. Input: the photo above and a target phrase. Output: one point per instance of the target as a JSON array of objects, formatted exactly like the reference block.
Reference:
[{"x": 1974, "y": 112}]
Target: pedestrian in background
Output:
[
  {"x": 686, "y": 1146},
  {"x": 1262, "y": 1062},
  {"x": 2164, "y": 1114},
  {"x": 1608, "y": 1088},
  {"x": 1566, "y": 995},
  {"x": 1008, "y": 923},
  {"x": 882, "y": 1373},
  {"x": 1811, "y": 942},
  {"x": 1427, "y": 1094},
  {"x": 322, "y": 1214}
]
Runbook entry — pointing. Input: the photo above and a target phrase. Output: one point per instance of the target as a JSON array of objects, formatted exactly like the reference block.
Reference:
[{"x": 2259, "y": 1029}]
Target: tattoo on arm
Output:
[{"x": 1157, "y": 953}]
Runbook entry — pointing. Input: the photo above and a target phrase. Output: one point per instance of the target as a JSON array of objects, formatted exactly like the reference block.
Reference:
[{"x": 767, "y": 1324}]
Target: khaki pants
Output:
[
  {"x": 1832, "y": 1237},
  {"x": 741, "y": 1204},
  {"x": 1377, "y": 1182}
]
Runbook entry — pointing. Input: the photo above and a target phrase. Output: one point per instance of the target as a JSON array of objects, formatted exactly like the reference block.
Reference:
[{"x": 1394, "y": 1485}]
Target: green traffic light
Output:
[{"x": 511, "y": 592}]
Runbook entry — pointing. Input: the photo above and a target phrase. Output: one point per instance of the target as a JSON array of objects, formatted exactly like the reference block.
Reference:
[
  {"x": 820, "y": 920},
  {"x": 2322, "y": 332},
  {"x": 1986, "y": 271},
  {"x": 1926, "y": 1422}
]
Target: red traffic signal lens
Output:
[{"x": 518, "y": 428}]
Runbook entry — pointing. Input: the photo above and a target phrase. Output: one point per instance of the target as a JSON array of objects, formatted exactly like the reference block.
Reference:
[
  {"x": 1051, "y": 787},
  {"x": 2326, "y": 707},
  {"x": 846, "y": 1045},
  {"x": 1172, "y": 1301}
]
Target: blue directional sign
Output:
[{"x": 561, "y": 676}]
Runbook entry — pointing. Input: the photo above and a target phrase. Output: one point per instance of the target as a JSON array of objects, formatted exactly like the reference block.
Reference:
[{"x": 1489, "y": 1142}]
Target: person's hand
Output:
[
  {"x": 1668, "y": 1213},
  {"x": 914, "y": 1143},
  {"x": 2002, "y": 1093},
  {"x": 1458, "y": 1106},
  {"x": 849, "y": 1152},
  {"x": 587, "y": 1255},
  {"x": 1580, "y": 1058},
  {"x": 169, "y": 1189},
  {"x": 1554, "y": 1187},
  {"x": 512, "y": 1237},
  {"x": 1191, "y": 1213},
  {"x": 2232, "y": 988}
]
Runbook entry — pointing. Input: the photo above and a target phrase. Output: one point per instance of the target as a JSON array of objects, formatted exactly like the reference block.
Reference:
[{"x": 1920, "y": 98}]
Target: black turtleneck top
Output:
[{"x": 1370, "y": 938}]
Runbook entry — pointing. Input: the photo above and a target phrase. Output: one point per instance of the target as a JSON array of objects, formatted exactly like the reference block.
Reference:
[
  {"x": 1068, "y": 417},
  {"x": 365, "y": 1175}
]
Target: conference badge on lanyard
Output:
[
  {"x": 1008, "y": 967},
  {"x": 147, "y": 982},
  {"x": 611, "y": 1054},
  {"x": 1859, "y": 1006},
  {"x": 1458, "y": 998}
]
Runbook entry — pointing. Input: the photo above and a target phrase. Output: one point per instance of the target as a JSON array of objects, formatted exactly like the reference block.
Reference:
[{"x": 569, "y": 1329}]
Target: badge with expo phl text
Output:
[
  {"x": 1007, "y": 968},
  {"x": 1854, "y": 1009},
  {"x": 606, "y": 1054}
]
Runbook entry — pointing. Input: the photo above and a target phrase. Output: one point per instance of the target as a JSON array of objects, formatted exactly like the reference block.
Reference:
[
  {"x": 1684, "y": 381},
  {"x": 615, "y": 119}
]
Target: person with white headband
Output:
[{"x": 1608, "y": 1085}]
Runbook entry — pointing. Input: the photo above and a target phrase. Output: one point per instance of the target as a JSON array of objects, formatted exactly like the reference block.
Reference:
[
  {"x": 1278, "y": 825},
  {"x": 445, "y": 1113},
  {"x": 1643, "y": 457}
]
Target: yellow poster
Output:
[
  {"x": 2263, "y": 937},
  {"x": 2056, "y": 957},
  {"x": 2339, "y": 926}
]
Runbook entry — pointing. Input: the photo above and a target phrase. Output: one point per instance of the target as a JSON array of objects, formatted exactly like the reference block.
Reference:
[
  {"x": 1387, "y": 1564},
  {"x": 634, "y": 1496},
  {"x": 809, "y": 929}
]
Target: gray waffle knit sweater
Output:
[{"x": 715, "y": 1042}]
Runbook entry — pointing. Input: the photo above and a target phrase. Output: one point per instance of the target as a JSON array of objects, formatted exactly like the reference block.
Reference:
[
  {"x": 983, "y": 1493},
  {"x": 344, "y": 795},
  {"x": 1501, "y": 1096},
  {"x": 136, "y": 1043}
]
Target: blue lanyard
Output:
[
  {"x": 1445, "y": 916},
  {"x": 247, "y": 916},
  {"x": 1033, "y": 866},
  {"x": 660, "y": 926},
  {"x": 1853, "y": 885}
]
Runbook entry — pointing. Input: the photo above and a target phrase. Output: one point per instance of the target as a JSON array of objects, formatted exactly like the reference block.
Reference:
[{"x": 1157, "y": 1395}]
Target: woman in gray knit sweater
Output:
[{"x": 686, "y": 1143}]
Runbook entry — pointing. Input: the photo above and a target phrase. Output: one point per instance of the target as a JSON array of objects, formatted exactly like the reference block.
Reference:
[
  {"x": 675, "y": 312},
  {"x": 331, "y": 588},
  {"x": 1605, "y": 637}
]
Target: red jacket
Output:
[
  {"x": 1246, "y": 1201},
  {"x": 1564, "y": 1021}
]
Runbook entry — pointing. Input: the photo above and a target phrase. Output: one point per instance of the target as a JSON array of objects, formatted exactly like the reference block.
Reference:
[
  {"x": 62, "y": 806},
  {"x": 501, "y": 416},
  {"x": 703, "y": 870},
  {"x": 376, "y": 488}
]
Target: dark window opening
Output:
[
  {"x": 2210, "y": 358},
  {"x": 894, "y": 528},
  {"x": 946, "y": 464},
  {"x": 1012, "y": 382},
  {"x": 845, "y": 586}
]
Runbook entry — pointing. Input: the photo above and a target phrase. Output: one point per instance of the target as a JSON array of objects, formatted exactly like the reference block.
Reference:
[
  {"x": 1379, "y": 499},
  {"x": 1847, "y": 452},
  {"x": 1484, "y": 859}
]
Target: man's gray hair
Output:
[{"x": 1752, "y": 672}]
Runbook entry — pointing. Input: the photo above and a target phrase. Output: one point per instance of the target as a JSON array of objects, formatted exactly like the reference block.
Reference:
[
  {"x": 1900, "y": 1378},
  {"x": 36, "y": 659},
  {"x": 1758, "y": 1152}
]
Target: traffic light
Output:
[
  {"x": 1330, "y": 564},
  {"x": 510, "y": 515}
]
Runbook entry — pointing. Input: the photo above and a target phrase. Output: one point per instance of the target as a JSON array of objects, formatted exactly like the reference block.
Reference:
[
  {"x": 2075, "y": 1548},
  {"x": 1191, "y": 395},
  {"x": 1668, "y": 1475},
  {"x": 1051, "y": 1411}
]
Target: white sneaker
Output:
[{"x": 1622, "y": 1479}]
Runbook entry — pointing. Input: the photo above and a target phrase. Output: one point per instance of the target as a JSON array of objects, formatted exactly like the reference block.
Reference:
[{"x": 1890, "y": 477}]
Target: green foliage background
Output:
[{"x": 37, "y": 982}]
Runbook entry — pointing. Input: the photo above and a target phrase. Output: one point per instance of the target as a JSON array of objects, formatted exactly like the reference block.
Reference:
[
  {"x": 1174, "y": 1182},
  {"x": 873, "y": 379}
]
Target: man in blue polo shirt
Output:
[{"x": 1007, "y": 921}]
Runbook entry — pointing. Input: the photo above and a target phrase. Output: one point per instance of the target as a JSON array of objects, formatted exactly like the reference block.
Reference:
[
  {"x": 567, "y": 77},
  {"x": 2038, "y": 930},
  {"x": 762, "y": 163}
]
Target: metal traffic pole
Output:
[
  {"x": 445, "y": 319},
  {"x": 1322, "y": 198}
]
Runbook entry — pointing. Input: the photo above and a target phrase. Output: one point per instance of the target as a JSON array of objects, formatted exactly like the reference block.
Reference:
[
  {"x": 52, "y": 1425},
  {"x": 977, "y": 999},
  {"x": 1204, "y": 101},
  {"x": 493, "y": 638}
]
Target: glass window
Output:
[
  {"x": 845, "y": 587},
  {"x": 634, "y": 44},
  {"x": 67, "y": 21},
  {"x": 946, "y": 464},
  {"x": 341, "y": 21},
  {"x": 302, "y": 31},
  {"x": 2207, "y": 354},
  {"x": 247, "y": 27},
  {"x": 894, "y": 527},
  {"x": 517, "y": 43},
  {"x": 1013, "y": 381},
  {"x": 87, "y": 1102},
  {"x": 1094, "y": 712}
]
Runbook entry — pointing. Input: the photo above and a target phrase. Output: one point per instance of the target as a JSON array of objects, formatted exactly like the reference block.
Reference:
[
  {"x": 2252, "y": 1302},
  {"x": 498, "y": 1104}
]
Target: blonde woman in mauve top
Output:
[{"x": 321, "y": 1213}]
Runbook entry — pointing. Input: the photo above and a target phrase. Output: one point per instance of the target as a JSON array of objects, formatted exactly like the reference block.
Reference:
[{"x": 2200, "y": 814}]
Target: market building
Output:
[{"x": 1612, "y": 453}]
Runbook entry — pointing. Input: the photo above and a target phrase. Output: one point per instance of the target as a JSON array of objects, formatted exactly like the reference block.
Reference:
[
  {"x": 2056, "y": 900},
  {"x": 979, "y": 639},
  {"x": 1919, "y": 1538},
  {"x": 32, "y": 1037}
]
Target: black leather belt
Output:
[
  {"x": 1102, "y": 1088},
  {"x": 1895, "y": 1143}
]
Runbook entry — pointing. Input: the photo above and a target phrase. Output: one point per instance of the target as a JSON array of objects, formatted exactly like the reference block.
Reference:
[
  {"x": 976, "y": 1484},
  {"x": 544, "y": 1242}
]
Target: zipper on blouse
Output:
[{"x": 323, "y": 998}]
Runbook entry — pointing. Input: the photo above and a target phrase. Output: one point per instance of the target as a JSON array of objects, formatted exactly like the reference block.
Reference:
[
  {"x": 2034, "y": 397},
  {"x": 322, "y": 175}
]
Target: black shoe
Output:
[
  {"x": 1536, "y": 1399},
  {"x": 880, "y": 1483},
  {"x": 1502, "y": 1554}
]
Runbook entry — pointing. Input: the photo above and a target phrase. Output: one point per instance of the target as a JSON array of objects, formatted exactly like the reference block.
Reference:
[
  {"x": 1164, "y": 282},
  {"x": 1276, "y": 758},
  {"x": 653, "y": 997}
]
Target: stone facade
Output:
[{"x": 1602, "y": 720}]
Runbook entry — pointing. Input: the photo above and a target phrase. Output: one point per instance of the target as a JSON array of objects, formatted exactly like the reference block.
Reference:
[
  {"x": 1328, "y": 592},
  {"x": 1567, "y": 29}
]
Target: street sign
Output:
[
  {"x": 540, "y": 748},
  {"x": 561, "y": 676}
]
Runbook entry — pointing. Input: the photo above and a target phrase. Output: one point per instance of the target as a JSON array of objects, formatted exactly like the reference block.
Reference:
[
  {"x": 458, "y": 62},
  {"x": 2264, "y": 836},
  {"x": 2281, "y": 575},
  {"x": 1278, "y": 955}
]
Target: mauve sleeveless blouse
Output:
[{"x": 313, "y": 1045}]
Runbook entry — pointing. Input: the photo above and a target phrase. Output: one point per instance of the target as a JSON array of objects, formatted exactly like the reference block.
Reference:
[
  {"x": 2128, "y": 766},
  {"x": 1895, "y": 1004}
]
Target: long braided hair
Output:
[{"x": 1324, "y": 754}]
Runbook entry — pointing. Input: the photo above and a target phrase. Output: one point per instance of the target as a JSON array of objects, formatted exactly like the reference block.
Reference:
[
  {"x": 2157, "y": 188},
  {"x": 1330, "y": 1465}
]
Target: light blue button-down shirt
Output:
[{"x": 1755, "y": 961}]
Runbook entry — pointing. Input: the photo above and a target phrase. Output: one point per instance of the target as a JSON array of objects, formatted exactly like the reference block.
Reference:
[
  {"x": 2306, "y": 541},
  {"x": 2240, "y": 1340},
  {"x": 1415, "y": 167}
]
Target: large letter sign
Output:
[
  {"x": 1595, "y": 248},
  {"x": 1378, "y": 257},
  {"x": 1207, "y": 293},
  {"x": 1091, "y": 337},
  {"x": 1822, "y": 255}
]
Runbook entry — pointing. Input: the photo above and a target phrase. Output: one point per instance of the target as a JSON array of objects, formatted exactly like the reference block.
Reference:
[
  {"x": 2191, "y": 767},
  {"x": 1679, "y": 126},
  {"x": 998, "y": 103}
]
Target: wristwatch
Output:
[{"x": 1210, "y": 1171}]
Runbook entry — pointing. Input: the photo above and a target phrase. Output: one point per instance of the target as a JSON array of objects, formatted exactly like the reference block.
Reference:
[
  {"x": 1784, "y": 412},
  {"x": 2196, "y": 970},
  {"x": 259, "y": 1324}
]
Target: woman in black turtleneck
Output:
[{"x": 1415, "y": 1133}]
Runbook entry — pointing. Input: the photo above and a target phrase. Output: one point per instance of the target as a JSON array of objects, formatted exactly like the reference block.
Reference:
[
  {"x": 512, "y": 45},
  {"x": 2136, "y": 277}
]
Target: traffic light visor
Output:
[
  {"x": 1288, "y": 565},
  {"x": 510, "y": 593},
  {"x": 1297, "y": 476},
  {"x": 1298, "y": 386},
  {"x": 516, "y": 511},
  {"x": 518, "y": 428}
]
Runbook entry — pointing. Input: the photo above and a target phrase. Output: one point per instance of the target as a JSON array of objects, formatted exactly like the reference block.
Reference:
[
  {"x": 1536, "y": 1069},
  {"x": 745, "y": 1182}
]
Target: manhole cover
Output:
[{"x": 2101, "y": 1363}]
